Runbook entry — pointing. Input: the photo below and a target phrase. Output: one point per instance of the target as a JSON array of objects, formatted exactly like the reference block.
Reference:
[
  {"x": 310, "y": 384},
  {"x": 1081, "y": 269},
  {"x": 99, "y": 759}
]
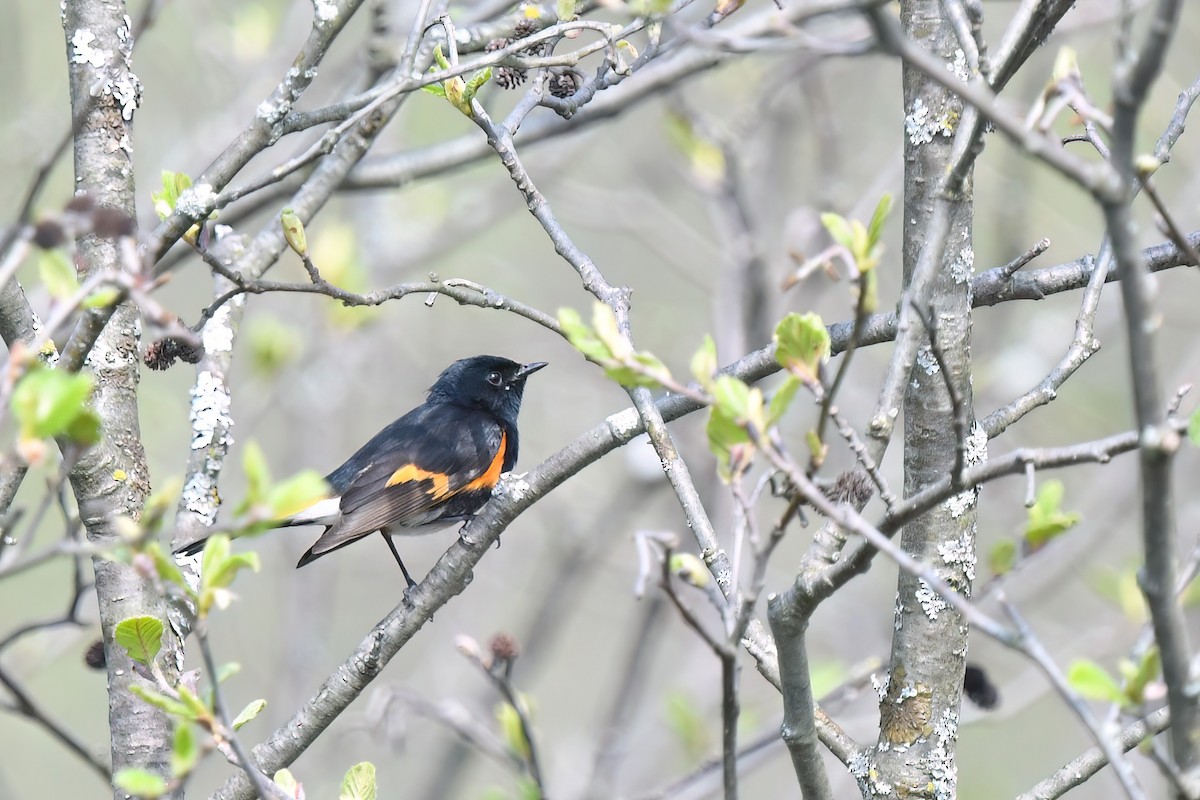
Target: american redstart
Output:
[{"x": 434, "y": 466}]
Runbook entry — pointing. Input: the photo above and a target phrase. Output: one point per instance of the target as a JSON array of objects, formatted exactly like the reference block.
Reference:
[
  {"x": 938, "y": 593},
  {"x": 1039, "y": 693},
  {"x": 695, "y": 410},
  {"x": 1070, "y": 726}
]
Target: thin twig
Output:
[{"x": 264, "y": 786}]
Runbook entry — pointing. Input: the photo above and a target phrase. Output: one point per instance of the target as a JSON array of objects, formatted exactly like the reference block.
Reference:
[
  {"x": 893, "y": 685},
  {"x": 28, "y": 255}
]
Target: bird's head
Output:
[{"x": 490, "y": 382}]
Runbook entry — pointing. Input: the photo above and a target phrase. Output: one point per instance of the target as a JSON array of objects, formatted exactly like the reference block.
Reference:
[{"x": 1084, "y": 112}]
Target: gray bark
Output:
[
  {"x": 915, "y": 753},
  {"x": 111, "y": 478}
]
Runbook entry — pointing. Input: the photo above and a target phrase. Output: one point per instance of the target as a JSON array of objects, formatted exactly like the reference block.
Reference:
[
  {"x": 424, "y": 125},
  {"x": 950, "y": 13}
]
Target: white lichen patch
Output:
[
  {"x": 197, "y": 202},
  {"x": 210, "y": 415},
  {"x": 127, "y": 91},
  {"x": 217, "y": 335},
  {"x": 623, "y": 424},
  {"x": 927, "y": 361},
  {"x": 880, "y": 685},
  {"x": 325, "y": 10},
  {"x": 116, "y": 79},
  {"x": 513, "y": 486},
  {"x": 963, "y": 265},
  {"x": 125, "y": 32},
  {"x": 977, "y": 444},
  {"x": 960, "y": 554},
  {"x": 201, "y": 498},
  {"x": 975, "y": 453},
  {"x": 959, "y": 66},
  {"x": 862, "y": 767},
  {"x": 960, "y": 503},
  {"x": 931, "y": 602},
  {"x": 922, "y": 125},
  {"x": 85, "y": 53},
  {"x": 272, "y": 112},
  {"x": 939, "y": 764}
]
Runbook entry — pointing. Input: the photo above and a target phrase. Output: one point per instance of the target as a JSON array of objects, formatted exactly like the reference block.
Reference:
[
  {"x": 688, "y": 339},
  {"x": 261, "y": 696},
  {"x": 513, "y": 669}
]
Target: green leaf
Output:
[
  {"x": 435, "y": 89},
  {"x": 1093, "y": 681},
  {"x": 802, "y": 345},
  {"x": 839, "y": 229},
  {"x": 223, "y": 576},
  {"x": 724, "y": 436},
  {"x": 85, "y": 428},
  {"x": 704, "y": 362},
  {"x": 859, "y": 238},
  {"x": 870, "y": 291},
  {"x": 296, "y": 493},
  {"x": 510, "y": 729},
  {"x": 194, "y": 704},
  {"x": 286, "y": 781},
  {"x": 184, "y": 752},
  {"x": 216, "y": 552},
  {"x": 57, "y": 273},
  {"x": 252, "y": 710},
  {"x": 630, "y": 377},
  {"x": 102, "y": 298},
  {"x": 139, "y": 782},
  {"x": 161, "y": 701},
  {"x": 47, "y": 402},
  {"x": 816, "y": 447},
  {"x": 565, "y": 9},
  {"x": 756, "y": 412},
  {"x": 650, "y": 371},
  {"x": 439, "y": 58},
  {"x": 732, "y": 396},
  {"x": 359, "y": 783},
  {"x": 882, "y": 209},
  {"x": 1194, "y": 427},
  {"x": 582, "y": 337},
  {"x": 1046, "y": 519},
  {"x": 258, "y": 474},
  {"x": 690, "y": 569},
  {"x": 173, "y": 185},
  {"x": 1191, "y": 594},
  {"x": 604, "y": 321},
  {"x": 1121, "y": 588},
  {"x": 477, "y": 81},
  {"x": 338, "y": 252},
  {"x": 168, "y": 571},
  {"x": 162, "y": 502},
  {"x": 1145, "y": 672},
  {"x": 141, "y": 637},
  {"x": 527, "y": 789},
  {"x": 688, "y": 725},
  {"x": 826, "y": 676},
  {"x": 1003, "y": 556},
  {"x": 218, "y": 568},
  {"x": 782, "y": 399}
]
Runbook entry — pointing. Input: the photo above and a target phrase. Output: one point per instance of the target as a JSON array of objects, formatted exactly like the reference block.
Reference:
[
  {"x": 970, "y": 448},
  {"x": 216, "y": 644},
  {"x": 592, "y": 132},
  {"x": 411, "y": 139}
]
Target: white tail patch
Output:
[{"x": 322, "y": 512}]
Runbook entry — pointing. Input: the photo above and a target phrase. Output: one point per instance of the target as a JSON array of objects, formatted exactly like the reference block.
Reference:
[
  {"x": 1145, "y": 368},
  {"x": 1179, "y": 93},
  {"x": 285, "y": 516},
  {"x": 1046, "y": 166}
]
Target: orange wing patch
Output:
[
  {"x": 440, "y": 489},
  {"x": 488, "y": 479},
  {"x": 411, "y": 472}
]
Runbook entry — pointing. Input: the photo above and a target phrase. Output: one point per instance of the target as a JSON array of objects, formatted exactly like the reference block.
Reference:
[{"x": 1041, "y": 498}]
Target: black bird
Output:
[{"x": 434, "y": 466}]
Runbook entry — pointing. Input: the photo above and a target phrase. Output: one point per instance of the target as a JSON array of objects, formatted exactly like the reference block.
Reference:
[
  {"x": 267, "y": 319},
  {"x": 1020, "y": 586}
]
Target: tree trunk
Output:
[
  {"x": 111, "y": 479},
  {"x": 915, "y": 753}
]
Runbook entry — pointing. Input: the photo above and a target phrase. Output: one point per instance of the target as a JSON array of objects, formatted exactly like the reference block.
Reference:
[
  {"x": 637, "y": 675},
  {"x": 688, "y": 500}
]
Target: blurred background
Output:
[{"x": 625, "y": 697}]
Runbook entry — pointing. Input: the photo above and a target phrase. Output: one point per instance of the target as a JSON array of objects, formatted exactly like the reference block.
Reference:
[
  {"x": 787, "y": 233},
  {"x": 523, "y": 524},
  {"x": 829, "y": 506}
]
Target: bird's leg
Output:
[{"x": 392, "y": 546}]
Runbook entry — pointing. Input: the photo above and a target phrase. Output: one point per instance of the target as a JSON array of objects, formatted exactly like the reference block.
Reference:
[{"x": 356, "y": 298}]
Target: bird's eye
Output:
[{"x": 494, "y": 378}]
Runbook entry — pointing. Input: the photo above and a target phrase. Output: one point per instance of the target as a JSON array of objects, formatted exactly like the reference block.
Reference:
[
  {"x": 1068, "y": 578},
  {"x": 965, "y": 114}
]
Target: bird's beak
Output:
[{"x": 528, "y": 369}]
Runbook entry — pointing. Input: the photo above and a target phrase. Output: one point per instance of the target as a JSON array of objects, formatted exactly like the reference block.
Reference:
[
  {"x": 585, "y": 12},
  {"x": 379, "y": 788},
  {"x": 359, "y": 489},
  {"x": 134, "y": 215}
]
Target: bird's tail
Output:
[{"x": 191, "y": 548}]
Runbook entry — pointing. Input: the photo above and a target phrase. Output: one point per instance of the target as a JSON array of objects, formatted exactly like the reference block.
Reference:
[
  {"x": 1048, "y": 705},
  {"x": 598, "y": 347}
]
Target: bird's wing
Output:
[{"x": 411, "y": 468}]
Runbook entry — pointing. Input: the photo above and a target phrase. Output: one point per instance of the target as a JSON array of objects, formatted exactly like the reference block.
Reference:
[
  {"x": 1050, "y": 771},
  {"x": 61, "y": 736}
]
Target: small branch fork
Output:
[{"x": 497, "y": 666}]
